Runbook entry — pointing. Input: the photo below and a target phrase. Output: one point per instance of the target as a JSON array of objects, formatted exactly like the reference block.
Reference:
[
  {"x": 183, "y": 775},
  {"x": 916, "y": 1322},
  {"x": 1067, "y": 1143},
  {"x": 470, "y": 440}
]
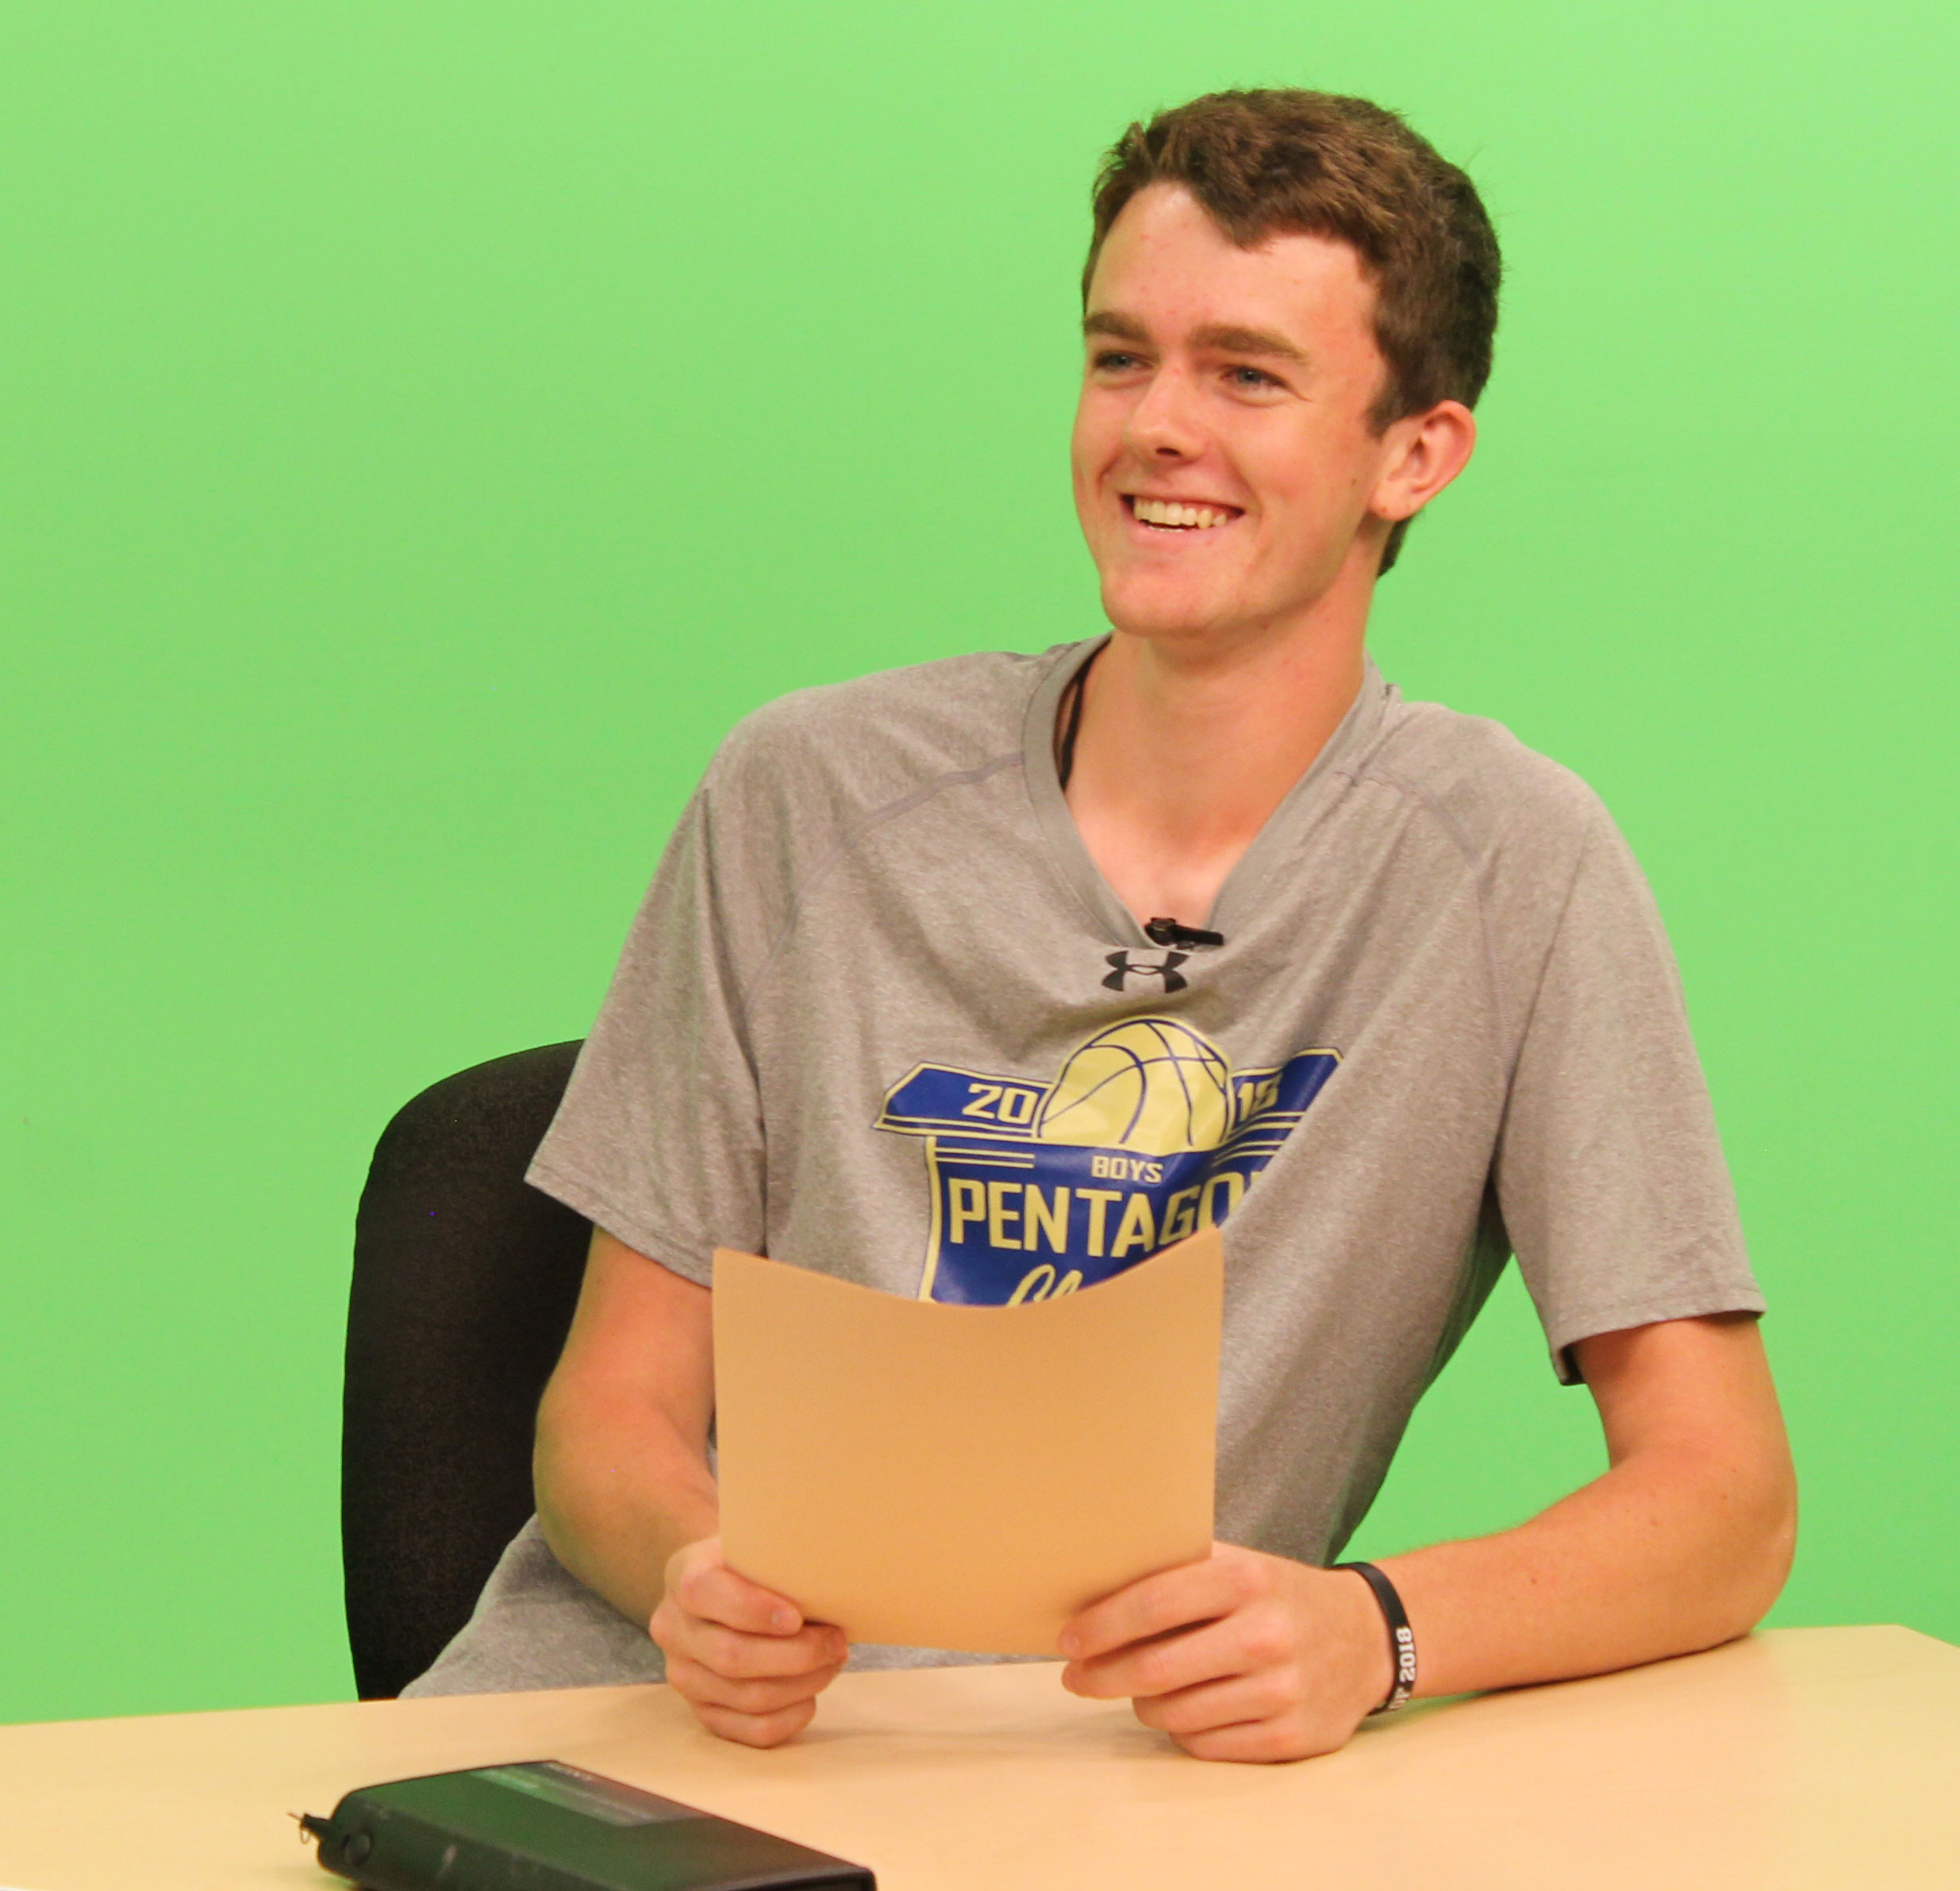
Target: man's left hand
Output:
[{"x": 1242, "y": 1657}]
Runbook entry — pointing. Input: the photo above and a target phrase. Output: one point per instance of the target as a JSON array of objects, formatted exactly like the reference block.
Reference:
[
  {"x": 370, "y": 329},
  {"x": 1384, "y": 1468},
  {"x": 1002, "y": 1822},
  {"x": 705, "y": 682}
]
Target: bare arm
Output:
[
  {"x": 622, "y": 1459},
  {"x": 628, "y": 1504},
  {"x": 1683, "y": 1542}
]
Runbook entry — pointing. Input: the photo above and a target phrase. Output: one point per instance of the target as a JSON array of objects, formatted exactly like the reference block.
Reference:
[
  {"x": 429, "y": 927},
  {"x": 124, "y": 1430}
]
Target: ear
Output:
[{"x": 1425, "y": 451}]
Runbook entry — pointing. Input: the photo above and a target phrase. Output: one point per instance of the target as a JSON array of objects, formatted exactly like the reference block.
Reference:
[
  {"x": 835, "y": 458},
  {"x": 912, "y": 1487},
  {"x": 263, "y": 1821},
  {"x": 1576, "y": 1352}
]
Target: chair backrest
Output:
[{"x": 465, "y": 1278}]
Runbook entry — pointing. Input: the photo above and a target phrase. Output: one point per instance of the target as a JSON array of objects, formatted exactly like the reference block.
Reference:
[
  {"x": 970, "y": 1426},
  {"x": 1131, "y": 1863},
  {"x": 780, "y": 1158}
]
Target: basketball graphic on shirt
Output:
[
  {"x": 1150, "y": 1085},
  {"x": 1045, "y": 1184}
]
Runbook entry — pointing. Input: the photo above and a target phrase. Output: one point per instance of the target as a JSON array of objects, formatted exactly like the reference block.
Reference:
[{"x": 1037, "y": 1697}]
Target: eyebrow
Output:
[
  {"x": 1226, "y": 338},
  {"x": 1119, "y": 327}
]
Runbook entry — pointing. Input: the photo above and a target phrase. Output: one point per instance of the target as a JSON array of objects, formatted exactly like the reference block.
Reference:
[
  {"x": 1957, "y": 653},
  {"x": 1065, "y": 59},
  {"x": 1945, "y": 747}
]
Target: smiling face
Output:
[{"x": 1227, "y": 476}]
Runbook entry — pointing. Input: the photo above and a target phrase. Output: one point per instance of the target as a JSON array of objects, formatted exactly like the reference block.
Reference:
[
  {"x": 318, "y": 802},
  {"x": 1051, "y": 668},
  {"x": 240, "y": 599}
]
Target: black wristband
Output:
[{"x": 1401, "y": 1637}]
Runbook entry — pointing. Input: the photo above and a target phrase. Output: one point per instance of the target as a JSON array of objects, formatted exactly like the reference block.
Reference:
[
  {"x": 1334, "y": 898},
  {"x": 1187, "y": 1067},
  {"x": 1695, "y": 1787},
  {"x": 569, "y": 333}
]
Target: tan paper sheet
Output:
[{"x": 965, "y": 1477}]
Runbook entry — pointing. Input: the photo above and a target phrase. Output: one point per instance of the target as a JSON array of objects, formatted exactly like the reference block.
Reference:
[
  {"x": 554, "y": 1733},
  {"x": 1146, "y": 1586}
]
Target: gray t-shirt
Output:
[{"x": 880, "y": 1015}]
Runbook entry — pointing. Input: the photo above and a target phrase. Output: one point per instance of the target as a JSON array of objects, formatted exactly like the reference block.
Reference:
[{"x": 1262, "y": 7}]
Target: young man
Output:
[{"x": 984, "y": 980}]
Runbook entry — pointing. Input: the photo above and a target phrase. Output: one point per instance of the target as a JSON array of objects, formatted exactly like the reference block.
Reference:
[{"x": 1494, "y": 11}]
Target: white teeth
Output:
[{"x": 1165, "y": 512}]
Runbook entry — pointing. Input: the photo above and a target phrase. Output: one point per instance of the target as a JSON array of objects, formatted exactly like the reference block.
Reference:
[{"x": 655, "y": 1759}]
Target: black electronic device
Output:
[
  {"x": 1174, "y": 933},
  {"x": 542, "y": 1825}
]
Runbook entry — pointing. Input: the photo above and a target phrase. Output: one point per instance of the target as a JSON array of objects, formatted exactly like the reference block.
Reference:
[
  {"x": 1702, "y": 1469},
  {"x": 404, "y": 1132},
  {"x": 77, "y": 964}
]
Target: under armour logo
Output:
[{"x": 1166, "y": 970}]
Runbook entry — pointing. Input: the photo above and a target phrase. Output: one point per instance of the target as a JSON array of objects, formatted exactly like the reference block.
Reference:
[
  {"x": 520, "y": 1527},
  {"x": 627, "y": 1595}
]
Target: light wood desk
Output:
[{"x": 1799, "y": 1758}]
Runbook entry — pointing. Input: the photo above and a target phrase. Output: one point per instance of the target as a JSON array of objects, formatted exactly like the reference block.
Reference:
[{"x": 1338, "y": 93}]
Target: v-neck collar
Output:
[{"x": 1236, "y": 897}]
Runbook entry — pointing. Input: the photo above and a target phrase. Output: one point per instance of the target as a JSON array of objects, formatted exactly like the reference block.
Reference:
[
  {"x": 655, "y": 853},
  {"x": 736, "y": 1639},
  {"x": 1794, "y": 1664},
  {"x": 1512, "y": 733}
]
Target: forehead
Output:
[{"x": 1165, "y": 264}]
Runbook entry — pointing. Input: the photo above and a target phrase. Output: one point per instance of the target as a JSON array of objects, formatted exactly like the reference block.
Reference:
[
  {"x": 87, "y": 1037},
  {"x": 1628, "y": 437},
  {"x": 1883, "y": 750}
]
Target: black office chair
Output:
[{"x": 464, "y": 1281}]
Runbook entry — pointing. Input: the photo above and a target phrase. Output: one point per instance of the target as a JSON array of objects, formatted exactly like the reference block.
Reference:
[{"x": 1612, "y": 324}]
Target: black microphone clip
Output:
[{"x": 1168, "y": 932}]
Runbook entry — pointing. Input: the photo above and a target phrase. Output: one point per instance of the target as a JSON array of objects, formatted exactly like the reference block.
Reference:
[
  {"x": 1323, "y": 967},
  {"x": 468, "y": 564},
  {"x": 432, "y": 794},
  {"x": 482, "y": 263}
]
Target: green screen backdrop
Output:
[{"x": 426, "y": 427}]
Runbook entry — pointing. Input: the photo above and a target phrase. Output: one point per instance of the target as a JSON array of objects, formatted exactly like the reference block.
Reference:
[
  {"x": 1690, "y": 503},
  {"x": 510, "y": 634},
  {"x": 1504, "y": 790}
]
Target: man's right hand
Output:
[
  {"x": 742, "y": 1656},
  {"x": 623, "y": 1479}
]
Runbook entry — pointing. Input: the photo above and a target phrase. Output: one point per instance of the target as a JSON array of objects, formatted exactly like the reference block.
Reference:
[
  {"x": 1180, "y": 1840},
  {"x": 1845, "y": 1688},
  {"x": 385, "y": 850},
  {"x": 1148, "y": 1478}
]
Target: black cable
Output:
[{"x": 1065, "y": 749}]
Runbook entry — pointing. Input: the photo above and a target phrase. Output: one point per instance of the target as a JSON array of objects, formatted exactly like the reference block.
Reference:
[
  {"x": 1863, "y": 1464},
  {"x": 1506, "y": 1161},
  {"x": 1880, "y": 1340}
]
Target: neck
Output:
[{"x": 1185, "y": 750}]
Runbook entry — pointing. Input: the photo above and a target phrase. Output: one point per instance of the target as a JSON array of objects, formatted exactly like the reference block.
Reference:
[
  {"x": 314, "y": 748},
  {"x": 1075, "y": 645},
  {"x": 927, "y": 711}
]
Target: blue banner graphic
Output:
[{"x": 1147, "y": 1136}]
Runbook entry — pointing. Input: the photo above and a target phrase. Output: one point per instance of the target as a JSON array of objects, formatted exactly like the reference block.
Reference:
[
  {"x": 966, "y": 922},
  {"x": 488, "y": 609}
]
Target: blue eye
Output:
[{"x": 1252, "y": 377}]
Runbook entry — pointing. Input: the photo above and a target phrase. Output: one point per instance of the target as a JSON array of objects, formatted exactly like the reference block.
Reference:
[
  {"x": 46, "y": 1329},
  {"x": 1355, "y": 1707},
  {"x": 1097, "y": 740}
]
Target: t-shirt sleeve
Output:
[
  {"x": 658, "y": 1140},
  {"x": 1609, "y": 1171}
]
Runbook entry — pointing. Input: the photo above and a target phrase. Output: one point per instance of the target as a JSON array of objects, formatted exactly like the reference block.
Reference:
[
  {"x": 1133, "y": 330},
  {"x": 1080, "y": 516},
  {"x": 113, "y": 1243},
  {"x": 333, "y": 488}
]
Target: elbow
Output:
[
  {"x": 554, "y": 1485},
  {"x": 1777, "y": 1551},
  {"x": 1764, "y": 1547}
]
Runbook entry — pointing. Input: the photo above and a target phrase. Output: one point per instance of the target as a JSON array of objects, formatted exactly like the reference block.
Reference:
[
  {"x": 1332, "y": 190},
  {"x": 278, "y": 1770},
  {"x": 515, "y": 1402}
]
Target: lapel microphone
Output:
[{"x": 1168, "y": 932}]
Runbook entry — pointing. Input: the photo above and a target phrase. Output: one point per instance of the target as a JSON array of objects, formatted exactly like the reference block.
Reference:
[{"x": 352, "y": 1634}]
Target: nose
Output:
[{"x": 1164, "y": 423}]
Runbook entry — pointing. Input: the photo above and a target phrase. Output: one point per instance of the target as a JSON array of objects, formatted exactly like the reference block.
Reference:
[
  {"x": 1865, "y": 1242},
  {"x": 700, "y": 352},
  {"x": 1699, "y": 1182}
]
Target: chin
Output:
[{"x": 1162, "y": 612}]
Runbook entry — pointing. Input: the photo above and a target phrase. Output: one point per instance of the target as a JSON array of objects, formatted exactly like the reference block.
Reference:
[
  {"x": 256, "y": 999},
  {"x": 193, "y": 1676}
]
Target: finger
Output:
[
  {"x": 688, "y": 1637},
  {"x": 710, "y": 1589},
  {"x": 704, "y": 1687},
  {"x": 1186, "y": 1658},
  {"x": 755, "y": 1730},
  {"x": 1267, "y": 1742},
  {"x": 1216, "y": 1704},
  {"x": 816, "y": 1645},
  {"x": 1197, "y": 1592}
]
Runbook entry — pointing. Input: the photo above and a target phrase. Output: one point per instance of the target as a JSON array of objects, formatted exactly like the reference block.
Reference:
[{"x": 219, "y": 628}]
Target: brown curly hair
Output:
[{"x": 1277, "y": 162}]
